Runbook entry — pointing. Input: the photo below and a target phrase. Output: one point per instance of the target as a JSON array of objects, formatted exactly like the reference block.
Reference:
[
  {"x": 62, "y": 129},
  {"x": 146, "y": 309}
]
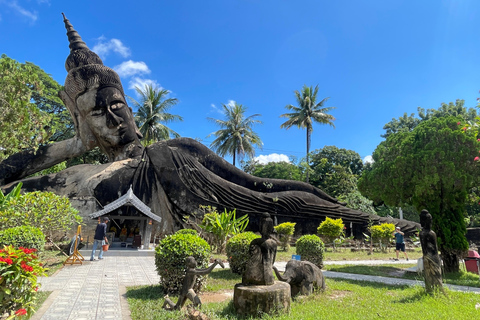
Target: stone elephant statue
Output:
[{"x": 303, "y": 276}]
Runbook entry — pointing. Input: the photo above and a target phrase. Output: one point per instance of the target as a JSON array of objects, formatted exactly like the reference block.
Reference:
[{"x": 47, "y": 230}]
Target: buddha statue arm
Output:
[{"x": 25, "y": 163}]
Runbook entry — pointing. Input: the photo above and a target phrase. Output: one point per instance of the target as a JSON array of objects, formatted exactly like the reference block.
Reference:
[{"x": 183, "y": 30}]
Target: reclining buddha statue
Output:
[{"x": 172, "y": 177}]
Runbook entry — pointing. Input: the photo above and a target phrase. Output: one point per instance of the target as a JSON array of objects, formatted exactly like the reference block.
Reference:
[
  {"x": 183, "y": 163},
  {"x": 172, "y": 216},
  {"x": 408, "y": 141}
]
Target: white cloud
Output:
[
  {"x": 32, "y": 15},
  {"x": 140, "y": 82},
  {"x": 104, "y": 47},
  {"x": 273, "y": 157},
  {"x": 130, "y": 68},
  {"x": 216, "y": 109},
  {"x": 368, "y": 159},
  {"x": 231, "y": 103}
]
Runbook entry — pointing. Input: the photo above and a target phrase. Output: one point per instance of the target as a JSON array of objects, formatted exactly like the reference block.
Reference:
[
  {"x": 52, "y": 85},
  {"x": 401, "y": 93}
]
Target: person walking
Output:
[
  {"x": 100, "y": 238},
  {"x": 399, "y": 242}
]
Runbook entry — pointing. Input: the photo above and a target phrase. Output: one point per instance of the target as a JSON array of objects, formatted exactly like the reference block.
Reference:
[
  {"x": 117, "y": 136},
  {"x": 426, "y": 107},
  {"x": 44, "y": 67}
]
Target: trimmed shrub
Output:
[
  {"x": 285, "y": 232},
  {"x": 19, "y": 269},
  {"x": 187, "y": 231},
  {"x": 44, "y": 210},
  {"x": 237, "y": 251},
  {"x": 311, "y": 248},
  {"x": 23, "y": 236},
  {"x": 170, "y": 255},
  {"x": 382, "y": 233},
  {"x": 331, "y": 229}
]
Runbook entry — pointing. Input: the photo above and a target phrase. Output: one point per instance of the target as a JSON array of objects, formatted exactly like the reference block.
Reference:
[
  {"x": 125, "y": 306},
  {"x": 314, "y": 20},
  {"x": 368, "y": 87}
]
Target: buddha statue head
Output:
[
  {"x": 425, "y": 219},
  {"x": 266, "y": 225},
  {"x": 96, "y": 101}
]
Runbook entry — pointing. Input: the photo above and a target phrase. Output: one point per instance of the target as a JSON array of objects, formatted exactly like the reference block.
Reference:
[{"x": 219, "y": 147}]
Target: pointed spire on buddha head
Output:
[
  {"x": 80, "y": 54},
  {"x": 85, "y": 68}
]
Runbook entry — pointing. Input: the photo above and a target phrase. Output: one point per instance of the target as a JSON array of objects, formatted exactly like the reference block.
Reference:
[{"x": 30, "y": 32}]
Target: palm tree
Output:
[
  {"x": 307, "y": 112},
  {"x": 152, "y": 115},
  {"x": 236, "y": 135}
]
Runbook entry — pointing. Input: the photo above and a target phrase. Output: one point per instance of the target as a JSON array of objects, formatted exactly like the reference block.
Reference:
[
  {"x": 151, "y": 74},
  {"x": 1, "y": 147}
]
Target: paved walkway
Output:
[{"x": 96, "y": 289}]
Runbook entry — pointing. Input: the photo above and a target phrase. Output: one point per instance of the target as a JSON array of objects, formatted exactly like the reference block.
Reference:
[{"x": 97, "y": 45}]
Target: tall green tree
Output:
[
  {"x": 23, "y": 124},
  {"x": 432, "y": 167},
  {"x": 49, "y": 101},
  {"x": 152, "y": 114},
  {"x": 236, "y": 136},
  {"x": 408, "y": 123},
  {"x": 278, "y": 170},
  {"x": 333, "y": 167},
  {"x": 307, "y": 111}
]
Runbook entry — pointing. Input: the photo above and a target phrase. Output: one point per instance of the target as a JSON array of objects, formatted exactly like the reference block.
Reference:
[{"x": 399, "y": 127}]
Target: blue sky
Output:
[{"x": 374, "y": 59}]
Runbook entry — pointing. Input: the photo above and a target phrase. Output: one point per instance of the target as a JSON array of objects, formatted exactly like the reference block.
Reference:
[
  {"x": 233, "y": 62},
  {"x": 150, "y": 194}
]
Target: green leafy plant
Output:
[
  {"x": 237, "y": 251},
  {"x": 170, "y": 255},
  {"x": 15, "y": 193},
  {"x": 311, "y": 248},
  {"x": 44, "y": 210},
  {"x": 331, "y": 229},
  {"x": 382, "y": 233},
  {"x": 19, "y": 269},
  {"x": 23, "y": 236},
  {"x": 187, "y": 231},
  {"x": 222, "y": 226},
  {"x": 285, "y": 232}
]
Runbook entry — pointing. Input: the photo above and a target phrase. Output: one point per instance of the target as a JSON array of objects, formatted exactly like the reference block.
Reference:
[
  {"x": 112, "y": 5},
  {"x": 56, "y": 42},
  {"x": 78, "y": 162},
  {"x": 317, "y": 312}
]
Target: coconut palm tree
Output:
[
  {"x": 307, "y": 112},
  {"x": 236, "y": 136},
  {"x": 152, "y": 114}
]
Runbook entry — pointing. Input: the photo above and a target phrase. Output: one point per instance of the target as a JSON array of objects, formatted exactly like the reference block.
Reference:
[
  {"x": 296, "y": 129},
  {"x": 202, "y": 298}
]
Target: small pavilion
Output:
[{"x": 129, "y": 208}]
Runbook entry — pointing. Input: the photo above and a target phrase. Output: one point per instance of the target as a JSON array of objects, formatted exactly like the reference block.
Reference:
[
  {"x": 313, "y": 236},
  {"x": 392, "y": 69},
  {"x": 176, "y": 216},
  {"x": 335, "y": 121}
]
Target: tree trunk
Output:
[
  {"x": 450, "y": 261},
  {"x": 308, "y": 151}
]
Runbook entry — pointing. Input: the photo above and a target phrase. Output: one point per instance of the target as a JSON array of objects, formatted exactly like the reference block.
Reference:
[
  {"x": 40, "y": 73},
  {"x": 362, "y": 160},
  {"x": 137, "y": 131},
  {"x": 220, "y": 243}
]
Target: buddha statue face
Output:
[
  {"x": 426, "y": 219},
  {"x": 110, "y": 120}
]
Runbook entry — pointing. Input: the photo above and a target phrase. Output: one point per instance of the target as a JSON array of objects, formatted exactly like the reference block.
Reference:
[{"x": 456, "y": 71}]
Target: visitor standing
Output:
[
  {"x": 100, "y": 238},
  {"x": 399, "y": 242}
]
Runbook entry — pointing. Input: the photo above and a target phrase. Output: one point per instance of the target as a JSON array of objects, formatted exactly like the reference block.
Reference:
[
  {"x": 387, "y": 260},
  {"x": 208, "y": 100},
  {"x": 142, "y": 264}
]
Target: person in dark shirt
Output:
[
  {"x": 399, "y": 242},
  {"x": 100, "y": 238}
]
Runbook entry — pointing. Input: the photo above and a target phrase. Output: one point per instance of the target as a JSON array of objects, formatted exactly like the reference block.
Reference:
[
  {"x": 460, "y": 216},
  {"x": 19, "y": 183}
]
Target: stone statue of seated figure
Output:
[
  {"x": 173, "y": 178},
  {"x": 262, "y": 253}
]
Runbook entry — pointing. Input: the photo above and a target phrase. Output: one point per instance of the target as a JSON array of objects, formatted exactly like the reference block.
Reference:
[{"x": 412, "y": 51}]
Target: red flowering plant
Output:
[{"x": 19, "y": 269}]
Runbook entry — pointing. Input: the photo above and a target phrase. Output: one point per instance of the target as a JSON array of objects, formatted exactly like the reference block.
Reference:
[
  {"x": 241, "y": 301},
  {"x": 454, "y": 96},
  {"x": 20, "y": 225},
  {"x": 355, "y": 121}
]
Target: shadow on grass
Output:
[
  {"x": 375, "y": 285},
  {"x": 146, "y": 292}
]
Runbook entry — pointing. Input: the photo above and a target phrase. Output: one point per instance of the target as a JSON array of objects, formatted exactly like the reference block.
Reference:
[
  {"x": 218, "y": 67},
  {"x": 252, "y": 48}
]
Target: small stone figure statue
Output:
[
  {"x": 188, "y": 282},
  {"x": 431, "y": 260},
  {"x": 262, "y": 252}
]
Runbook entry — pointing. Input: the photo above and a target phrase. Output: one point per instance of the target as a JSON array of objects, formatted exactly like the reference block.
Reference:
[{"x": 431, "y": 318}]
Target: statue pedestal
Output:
[{"x": 255, "y": 300}]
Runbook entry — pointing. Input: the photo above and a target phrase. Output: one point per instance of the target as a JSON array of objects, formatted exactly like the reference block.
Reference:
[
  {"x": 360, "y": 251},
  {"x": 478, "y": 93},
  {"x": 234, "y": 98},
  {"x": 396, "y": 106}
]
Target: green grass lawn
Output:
[
  {"x": 461, "y": 278},
  {"x": 343, "y": 299},
  {"x": 343, "y": 254}
]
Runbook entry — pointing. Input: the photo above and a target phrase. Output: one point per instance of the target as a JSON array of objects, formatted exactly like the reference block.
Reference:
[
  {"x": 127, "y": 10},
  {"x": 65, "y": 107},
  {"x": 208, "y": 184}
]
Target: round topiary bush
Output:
[
  {"x": 170, "y": 255},
  {"x": 311, "y": 248},
  {"x": 187, "y": 231},
  {"x": 285, "y": 232},
  {"x": 237, "y": 251},
  {"x": 23, "y": 236}
]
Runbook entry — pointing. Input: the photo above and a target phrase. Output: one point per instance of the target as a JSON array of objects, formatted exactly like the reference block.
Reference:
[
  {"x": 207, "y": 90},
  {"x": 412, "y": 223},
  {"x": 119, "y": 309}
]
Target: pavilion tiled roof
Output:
[{"x": 127, "y": 199}]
